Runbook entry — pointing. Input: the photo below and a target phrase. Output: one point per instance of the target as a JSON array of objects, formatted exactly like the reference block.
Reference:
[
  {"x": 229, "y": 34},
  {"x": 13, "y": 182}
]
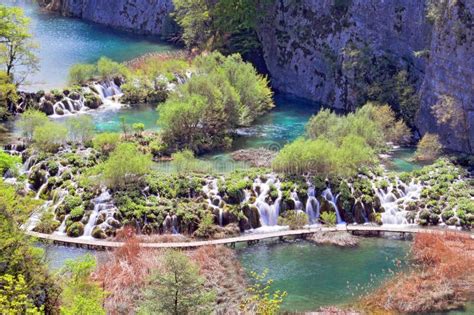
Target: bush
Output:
[
  {"x": 184, "y": 162},
  {"x": 126, "y": 166},
  {"x": 294, "y": 219},
  {"x": 82, "y": 73},
  {"x": 429, "y": 148},
  {"x": 29, "y": 121},
  {"x": 8, "y": 162},
  {"x": 206, "y": 226},
  {"x": 225, "y": 93},
  {"x": 329, "y": 218},
  {"x": 106, "y": 142},
  {"x": 50, "y": 136},
  {"x": 138, "y": 128},
  {"x": 81, "y": 129},
  {"x": 47, "y": 223},
  {"x": 76, "y": 229},
  {"x": 108, "y": 69},
  {"x": 76, "y": 214}
]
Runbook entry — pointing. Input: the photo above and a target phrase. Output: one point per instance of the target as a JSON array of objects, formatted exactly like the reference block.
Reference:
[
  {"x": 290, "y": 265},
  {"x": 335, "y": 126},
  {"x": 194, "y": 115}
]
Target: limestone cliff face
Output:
[
  {"x": 450, "y": 73},
  {"x": 142, "y": 16},
  {"x": 304, "y": 41}
]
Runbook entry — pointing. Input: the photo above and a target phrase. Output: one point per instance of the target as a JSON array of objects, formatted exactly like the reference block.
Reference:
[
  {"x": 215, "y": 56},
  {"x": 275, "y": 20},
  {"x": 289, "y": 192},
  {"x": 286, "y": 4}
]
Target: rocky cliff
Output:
[
  {"x": 142, "y": 16},
  {"x": 343, "y": 52},
  {"x": 449, "y": 78},
  {"x": 309, "y": 43}
]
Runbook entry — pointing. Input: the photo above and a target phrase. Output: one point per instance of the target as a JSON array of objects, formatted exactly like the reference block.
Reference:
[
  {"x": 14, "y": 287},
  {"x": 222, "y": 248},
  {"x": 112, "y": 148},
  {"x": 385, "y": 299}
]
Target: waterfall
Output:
[
  {"x": 394, "y": 214},
  {"x": 268, "y": 213},
  {"x": 101, "y": 203},
  {"x": 328, "y": 195},
  {"x": 35, "y": 218},
  {"x": 212, "y": 192},
  {"x": 313, "y": 206},
  {"x": 42, "y": 188}
]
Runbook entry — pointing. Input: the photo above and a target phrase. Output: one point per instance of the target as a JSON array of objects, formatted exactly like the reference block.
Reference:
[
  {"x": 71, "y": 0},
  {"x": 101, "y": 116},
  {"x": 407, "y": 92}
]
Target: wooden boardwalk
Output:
[{"x": 247, "y": 238}]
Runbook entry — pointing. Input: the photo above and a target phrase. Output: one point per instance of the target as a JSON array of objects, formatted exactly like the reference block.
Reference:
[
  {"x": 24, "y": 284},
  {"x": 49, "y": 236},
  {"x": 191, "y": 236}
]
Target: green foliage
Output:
[
  {"x": 109, "y": 69},
  {"x": 126, "y": 166},
  {"x": 82, "y": 73},
  {"x": 81, "y": 129},
  {"x": 224, "y": 25},
  {"x": 29, "y": 121},
  {"x": 47, "y": 223},
  {"x": 19, "y": 259},
  {"x": 17, "y": 50},
  {"x": 177, "y": 289},
  {"x": 75, "y": 229},
  {"x": 294, "y": 219},
  {"x": 206, "y": 225},
  {"x": 224, "y": 94},
  {"x": 429, "y": 148},
  {"x": 80, "y": 294},
  {"x": 329, "y": 218},
  {"x": 14, "y": 297},
  {"x": 8, "y": 162},
  {"x": 106, "y": 142},
  {"x": 50, "y": 136},
  {"x": 8, "y": 94},
  {"x": 261, "y": 300},
  {"x": 184, "y": 162},
  {"x": 138, "y": 128}
]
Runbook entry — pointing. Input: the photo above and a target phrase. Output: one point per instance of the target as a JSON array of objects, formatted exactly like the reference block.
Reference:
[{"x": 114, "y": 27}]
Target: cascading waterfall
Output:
[
  {"x": 328, "y": 195},
  {"x": 313, "y": 206},
  {"x": 392, "y": 205},
  {"x": 102, "y": 205},
  {"x": 268, "y": 213},
  {"x": 107, "y": 91},
  {"x": 214, "y": 200}
]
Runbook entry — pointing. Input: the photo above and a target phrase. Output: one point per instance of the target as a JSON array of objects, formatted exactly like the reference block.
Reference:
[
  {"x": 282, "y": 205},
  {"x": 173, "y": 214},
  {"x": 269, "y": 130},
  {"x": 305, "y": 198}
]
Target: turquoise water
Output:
[
  {"x": 315, "y": 276},
  {"x": 65, "y": 41}
]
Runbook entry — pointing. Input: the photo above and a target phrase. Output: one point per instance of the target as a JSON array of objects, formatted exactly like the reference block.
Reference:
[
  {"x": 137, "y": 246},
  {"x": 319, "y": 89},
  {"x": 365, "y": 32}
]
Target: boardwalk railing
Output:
[{"x": 246, "y": 238}]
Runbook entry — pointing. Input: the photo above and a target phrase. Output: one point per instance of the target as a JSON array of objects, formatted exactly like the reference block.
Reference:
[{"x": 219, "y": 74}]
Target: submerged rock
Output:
[{"x": 342, "y": 239}]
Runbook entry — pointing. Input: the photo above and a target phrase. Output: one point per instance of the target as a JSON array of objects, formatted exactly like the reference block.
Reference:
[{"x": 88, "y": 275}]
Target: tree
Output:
[
  {"x": 29, "y": 121},
  {"x": 261, "y": 300},
  {"x": 185, "y": 162},
  {"x": 429, "y": 147},
  {"x": 106, "y": 142},
  {"x": 20, "y": 263},
  {"x": 80, "y": 294},
  {"x": 81, "y": 129},
  {"x": 8, "y": 94},
  {"x": 16, "y": 47},
  {"x": 82, "y": 73},
  {"x": 177, "y": 289},
  {"x": 8, "y": 162},
  {"x": 14, "y": 297},
  {"x": 50, "y": 136},
  {"x": 126, "y": 166},
  {"x": 109, "y": 69}
]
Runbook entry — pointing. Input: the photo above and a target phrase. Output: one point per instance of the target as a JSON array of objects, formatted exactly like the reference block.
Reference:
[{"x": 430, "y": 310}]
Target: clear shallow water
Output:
[
  {"x": 315, "y": 276},
  {"x": 65, "y": 41}
]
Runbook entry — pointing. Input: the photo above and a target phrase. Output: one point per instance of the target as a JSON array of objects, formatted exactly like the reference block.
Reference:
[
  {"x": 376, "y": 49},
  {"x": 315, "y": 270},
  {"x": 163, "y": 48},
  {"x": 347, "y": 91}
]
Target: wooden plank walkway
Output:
[{"x": 247, "y": 238}]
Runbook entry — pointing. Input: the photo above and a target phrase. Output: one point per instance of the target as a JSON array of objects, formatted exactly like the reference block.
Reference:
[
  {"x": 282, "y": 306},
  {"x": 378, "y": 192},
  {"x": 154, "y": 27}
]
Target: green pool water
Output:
[
  {"x": 64, "y": 42},
  {"x": 315, "y": 276}
]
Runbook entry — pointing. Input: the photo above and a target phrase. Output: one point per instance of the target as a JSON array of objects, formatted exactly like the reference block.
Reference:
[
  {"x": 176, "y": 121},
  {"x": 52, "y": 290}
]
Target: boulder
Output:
[
  {"x": 47, "y": 107},
  {"x": 251, "y": 212},
  {"x": 97, "y": 232}
]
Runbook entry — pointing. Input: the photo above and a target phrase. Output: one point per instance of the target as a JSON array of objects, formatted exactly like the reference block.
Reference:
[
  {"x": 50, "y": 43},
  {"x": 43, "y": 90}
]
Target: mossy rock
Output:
[
  {"x": 251, "y": 213},
  {"x": 76, "y": 229},
  {"x": 98, "y": 233}
]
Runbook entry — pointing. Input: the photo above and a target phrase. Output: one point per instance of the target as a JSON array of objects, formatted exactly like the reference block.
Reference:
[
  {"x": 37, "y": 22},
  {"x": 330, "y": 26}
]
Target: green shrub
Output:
[
  {"x": 329, "y": 218},
  {"x": 429, "y": 148},
  {"x": 294, "y": 219},
  {"x": 8, "y": 162},
  {"x": 184, "y": 162},
  {"x": 76, "y": 214},
  {"x": 50, "y": 136},
  {"x": 81, "y": 129},
  {"x": 106, "y": 142},
  {"x": 47, "y": 223},
  {"x": 109, "y": 69},
  {"x": 76, "y": 229},
  {"x": 29, "y": 121},
  {"x": 206, "y": 227},
  {"x": 82, "y": 73},
  {"x": 126, "y": 166}
]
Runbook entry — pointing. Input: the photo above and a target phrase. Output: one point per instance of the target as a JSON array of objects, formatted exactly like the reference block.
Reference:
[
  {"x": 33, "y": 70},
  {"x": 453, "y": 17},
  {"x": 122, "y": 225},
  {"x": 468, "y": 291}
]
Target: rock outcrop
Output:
[
  {"x": 304, "y": 43},
  {"x": 450, "y": 73},
  {"x": 145, "y": 17}
]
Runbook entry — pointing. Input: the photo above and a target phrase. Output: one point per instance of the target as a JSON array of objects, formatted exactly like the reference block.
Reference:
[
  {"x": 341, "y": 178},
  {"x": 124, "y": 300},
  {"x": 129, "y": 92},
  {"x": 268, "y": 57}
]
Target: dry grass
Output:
[
  {"x": 124, "y": 273},
  {"x": 440, "y": 278}
]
